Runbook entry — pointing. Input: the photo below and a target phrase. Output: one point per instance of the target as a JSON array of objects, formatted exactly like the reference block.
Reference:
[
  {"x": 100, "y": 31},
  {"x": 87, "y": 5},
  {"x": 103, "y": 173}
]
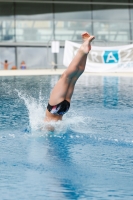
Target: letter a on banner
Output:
[{"x": 111, "y": 57}]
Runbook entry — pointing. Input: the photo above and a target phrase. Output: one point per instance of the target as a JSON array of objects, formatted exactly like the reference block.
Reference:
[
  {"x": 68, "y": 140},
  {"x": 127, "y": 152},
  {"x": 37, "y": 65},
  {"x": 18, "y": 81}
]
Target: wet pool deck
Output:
[{"x": 38, "y": 72}]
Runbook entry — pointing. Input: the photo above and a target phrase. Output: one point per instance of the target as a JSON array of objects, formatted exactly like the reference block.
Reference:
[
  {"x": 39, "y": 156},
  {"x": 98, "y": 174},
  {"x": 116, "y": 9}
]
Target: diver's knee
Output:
[
  {"x": 81, "y": 69},
  {"x": 66, "y": 76}
]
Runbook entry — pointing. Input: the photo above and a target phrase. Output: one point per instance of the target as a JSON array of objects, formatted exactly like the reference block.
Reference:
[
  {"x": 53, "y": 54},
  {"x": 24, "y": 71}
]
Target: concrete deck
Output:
[{"x": 37, "y": 72}]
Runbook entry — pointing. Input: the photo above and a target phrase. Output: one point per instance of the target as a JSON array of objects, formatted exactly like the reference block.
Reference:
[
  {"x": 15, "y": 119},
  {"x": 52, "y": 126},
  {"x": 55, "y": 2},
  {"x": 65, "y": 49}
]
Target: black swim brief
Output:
[{"x": 59, "y": 109}]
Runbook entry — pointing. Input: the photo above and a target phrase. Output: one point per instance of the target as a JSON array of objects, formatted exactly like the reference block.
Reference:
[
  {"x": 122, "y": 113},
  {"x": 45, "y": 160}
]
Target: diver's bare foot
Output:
[
  {"x": 85, "y": 35},
  {"x": 86, "y": 46}
]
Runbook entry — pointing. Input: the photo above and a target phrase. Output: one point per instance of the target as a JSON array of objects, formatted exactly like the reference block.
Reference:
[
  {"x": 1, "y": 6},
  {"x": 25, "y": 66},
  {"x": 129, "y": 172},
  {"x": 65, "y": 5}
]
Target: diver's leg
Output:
[
  {"x": 81, "y": 69},
  {"x": 74, "y": 70},
  {"x": 74, "y": 80}
]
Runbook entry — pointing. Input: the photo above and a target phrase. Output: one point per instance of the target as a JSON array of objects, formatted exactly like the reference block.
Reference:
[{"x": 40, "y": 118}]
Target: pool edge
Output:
[{"x": 39, "y": 72}]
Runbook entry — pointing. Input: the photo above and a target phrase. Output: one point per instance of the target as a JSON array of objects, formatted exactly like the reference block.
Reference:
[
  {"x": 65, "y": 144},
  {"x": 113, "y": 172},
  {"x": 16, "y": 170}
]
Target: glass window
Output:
[
  {"x": 1, "y": 30},
  {"x": 112, "y": 31},
  {"x": 131, "y": 21},
  {"x": 131, "y": 9},
  {"x": 39, "y": 57},
  {"x": 109, "y": 12},
  {"x": 6, "y": 22},
  {"x": 71, "y": 20},
  {"x": 7, "y": 53},
  {"x": 33, "y": 22},
  {"x": 132, "y": 32},
  {"x": 32, "y": 57},
  {"x": 111, "y": 23}
]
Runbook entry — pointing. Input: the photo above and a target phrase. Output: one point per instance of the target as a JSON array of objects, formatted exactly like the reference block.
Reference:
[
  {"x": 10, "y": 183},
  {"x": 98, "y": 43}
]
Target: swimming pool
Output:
[{"x": 89, "y": 156}]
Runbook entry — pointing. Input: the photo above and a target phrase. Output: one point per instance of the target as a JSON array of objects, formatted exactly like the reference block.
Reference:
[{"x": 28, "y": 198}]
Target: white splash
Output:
[{"x": 36, "y": 110}]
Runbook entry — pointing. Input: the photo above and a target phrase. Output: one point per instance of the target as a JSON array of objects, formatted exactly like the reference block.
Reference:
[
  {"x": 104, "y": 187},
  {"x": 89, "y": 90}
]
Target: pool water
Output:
[{"x": 88, "y": 156}]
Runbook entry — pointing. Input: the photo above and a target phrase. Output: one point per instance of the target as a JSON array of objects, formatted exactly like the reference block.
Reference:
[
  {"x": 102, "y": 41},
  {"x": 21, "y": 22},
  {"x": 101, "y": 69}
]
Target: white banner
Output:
[{"x": 103, "y": 59}]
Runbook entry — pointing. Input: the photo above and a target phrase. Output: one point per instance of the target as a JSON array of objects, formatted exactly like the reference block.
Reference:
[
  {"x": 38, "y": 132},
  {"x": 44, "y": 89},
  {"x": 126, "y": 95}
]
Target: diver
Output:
[{"x": 60, "y": 97}]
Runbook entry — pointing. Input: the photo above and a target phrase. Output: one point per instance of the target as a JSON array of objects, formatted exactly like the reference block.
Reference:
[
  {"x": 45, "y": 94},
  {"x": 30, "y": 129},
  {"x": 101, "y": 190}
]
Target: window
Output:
[
  {"x": 7, "y": 53},
  {"x": 71, "y": 20},
  {"x": 34, "y": 57},
  {"x": 33, "y": 22},
  {"x": 6, "y": 22},
  {"x": 111, "y": 23}
]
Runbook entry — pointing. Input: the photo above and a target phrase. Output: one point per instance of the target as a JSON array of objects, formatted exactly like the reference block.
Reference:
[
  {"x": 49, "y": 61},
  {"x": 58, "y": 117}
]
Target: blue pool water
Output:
[{"x": 88, "y": 156}]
